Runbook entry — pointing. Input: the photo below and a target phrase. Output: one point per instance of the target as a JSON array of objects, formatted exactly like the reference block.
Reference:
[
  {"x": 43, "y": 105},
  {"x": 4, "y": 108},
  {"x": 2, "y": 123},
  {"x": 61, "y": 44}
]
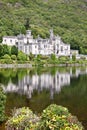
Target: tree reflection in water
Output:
[{"x": 38, "y": 88}]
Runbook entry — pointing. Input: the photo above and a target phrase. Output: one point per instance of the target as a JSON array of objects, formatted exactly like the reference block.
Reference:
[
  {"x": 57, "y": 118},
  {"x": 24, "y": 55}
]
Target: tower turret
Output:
[
  {"x": 28, "y": 33},
  {"x": 51, "y": 34}
]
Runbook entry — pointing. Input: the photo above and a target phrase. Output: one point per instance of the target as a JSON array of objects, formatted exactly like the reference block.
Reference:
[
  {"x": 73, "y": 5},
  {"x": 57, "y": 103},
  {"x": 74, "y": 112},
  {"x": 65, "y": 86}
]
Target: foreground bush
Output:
[
  {"x": 58, "y": 118},
  {"x": 2, "y": 105},
  {"x": 23, "y": 119},
  {"x": 52, "y": 118}
]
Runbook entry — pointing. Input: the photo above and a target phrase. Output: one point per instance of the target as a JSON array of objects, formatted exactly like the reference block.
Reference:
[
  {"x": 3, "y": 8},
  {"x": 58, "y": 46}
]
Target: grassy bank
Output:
[{"x": 25, "y": 61}]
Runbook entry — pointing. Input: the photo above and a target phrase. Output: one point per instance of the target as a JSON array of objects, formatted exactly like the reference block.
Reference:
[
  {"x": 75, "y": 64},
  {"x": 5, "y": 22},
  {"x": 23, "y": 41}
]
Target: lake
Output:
[{"x": 39, "y": 87}]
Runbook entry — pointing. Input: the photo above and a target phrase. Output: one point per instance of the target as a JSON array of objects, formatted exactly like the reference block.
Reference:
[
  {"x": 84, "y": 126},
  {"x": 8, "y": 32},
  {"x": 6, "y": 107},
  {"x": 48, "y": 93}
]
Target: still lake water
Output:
[{"x": 39, "y": 87}]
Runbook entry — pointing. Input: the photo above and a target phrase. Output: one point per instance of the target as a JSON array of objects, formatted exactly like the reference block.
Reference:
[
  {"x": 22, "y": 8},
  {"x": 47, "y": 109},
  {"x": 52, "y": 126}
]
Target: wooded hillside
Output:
[{"x": 68, "y": 18}]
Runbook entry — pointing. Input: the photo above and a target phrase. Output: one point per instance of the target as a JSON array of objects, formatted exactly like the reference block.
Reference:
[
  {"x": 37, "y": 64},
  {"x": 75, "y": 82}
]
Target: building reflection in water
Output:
[{"x": 52, "y": 83}]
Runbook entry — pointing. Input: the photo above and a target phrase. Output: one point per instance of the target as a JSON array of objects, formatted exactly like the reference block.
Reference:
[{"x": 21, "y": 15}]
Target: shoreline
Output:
[
  {"x": 45, "y": 65},
  {"x": 15, "y": 66}
]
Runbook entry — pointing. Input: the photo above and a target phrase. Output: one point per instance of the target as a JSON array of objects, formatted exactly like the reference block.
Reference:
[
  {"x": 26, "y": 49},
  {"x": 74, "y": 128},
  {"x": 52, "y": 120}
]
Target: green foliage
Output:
[
  {"x": 6, "y": 49},
  {"x": 74, "y": 57},
  {"x": 5, "y": 52},
  {"x": 14, "y": 50},
  {"x": 1, "y": 50},
  {"x": 53, "y": 57},
  {"x": 27, "y": 24},
  {"x": 21, "y": 56},
  {"x": 68, "y": 18},
  {"x": 6, "y": 59},
  {"x": 52, "y": 118},
  {"x": 13, "y": 57},
  {"x": 6, "y": 56},
  {"x": 63, "y": 58},
  {"x": 40, "y": 60},
  {"x": 44, "y": 57},
  {"x": 23, "y": 118},
  {"x": 2, "y": 105},
  {"x": 58, "y": 118},
  {"x": 31, "y": 56}
]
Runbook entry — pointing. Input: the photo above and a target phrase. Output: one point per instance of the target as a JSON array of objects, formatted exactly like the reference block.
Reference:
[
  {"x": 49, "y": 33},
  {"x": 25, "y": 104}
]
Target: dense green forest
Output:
[{"x": 68, "y": 18}]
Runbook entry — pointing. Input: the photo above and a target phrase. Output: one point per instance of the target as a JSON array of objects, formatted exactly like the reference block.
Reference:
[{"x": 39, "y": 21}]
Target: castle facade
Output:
[{"x": 27, "y": 44}]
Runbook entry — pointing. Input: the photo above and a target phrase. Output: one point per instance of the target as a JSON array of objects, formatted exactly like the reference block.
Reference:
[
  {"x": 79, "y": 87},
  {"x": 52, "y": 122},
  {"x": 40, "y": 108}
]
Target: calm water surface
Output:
[{"x": 40, "y": 87}]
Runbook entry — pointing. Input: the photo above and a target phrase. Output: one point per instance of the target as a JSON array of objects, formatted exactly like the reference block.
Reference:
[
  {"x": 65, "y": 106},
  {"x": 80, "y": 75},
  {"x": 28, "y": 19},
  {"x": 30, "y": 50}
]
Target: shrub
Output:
[
  {"x": 38, "y": 58},
  {"x": 53, "y": 57},
  {"x": 63, "y": 59},
  {"x": 21, "y": 56},
  {"x": 52, "y": 118},
  {"x": 58, "y": 118},
  {"x": 6, "y": 61},
  {"x": 39, "y": 62},
  {"x": 50, "y": 61},
  {"x": 14, "y": 50},
  {"x": 23, "y": 118},
  {"x": 44, "y": 57},
  {"x": 31, "y": 56},
  {"x": 6, "y": 56},
  {"x": 2, "y": 105},
  {"x": 74, "y": 57},
  {"x": 13, "y": 57}
]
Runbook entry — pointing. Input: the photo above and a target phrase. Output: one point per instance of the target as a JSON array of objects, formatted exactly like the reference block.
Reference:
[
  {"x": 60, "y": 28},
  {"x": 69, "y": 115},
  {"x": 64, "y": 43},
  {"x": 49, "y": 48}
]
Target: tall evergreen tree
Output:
[
  {"x": 14, "y": 50},
  {"x": 27, "y": 24},
  {"x": 1, "y": 50},
  {"x": 6, "y": 50}
]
